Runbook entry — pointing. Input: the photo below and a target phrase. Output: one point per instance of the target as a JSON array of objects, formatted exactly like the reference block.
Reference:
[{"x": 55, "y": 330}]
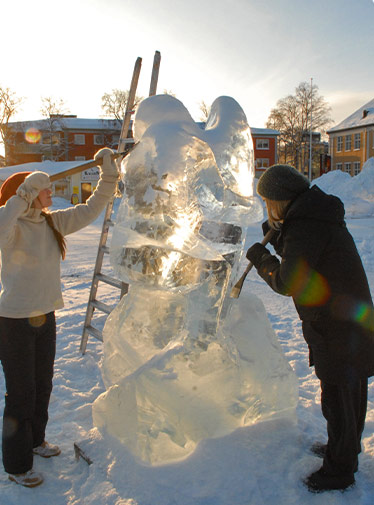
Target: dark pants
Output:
[
  {"x": 344, "y": 408},
  {"x": 27, "y": 353}
]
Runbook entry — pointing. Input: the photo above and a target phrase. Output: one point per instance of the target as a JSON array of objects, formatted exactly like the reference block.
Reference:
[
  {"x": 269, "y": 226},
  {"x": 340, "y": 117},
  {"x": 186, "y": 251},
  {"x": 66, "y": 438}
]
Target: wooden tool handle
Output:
[
  {"x": 85, "y": 166},
  {"x": 235, "y": 292}
]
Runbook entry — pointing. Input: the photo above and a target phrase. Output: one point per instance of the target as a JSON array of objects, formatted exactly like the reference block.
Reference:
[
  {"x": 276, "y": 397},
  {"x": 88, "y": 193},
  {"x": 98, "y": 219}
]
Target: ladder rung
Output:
[
  {"x": 95, "y": 332},
  {"x": 109, "y": 280},
  {"x": 128, "y": 141},
  {"x": 102, "y": 306}
]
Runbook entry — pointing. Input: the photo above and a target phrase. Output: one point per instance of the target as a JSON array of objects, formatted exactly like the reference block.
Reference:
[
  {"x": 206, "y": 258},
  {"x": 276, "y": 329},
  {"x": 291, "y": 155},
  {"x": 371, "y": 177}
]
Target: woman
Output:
[
  {"x": 322, "y": 271},
  {"x": 32, "y": 244}
]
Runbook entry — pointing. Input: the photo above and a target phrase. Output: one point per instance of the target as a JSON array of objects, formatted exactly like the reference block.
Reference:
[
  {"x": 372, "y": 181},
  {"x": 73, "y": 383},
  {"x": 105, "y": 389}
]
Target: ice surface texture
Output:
[{"x": 182, "y": 360}]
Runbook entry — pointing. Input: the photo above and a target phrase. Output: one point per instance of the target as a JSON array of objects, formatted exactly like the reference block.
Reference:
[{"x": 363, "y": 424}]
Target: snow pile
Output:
[{"x": 357, "y": 193}]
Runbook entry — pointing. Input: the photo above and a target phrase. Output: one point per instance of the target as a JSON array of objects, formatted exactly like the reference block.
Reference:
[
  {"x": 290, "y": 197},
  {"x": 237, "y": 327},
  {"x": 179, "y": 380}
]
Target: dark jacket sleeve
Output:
[{"x": 303, "y": 244}]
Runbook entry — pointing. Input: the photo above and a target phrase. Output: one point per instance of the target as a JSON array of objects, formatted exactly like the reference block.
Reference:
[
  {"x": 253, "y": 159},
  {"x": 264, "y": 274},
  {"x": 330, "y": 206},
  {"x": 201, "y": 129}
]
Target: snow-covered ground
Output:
[{"x": 258, "y": 465}]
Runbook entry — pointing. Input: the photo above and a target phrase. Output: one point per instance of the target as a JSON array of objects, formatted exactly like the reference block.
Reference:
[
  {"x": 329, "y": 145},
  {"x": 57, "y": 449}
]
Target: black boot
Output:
[{"x": 321, "y": 481}]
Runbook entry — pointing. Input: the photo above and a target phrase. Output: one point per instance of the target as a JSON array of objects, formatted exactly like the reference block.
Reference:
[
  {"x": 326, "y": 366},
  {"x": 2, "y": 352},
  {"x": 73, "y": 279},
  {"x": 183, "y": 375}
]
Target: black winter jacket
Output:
[{"x": 322, "y": 270}]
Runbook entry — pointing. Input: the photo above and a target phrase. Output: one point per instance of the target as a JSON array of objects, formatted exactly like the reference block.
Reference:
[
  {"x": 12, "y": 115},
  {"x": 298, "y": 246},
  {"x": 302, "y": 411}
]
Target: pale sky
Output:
[{"x": 256, "y": 51}]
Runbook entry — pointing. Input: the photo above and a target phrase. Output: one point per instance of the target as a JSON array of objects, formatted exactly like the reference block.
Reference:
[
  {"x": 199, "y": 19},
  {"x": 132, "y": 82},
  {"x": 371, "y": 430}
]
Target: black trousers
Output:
[
  {"x": 27, "y": 353},
  {"x": 344, "y": 408}
]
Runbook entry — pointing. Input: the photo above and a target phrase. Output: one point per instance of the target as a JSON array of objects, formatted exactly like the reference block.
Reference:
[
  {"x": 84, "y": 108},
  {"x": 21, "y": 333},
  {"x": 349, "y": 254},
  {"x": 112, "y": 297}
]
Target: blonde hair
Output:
[
  {"x": 276, "y": 211},
  {"x": 58, "y": 236}
]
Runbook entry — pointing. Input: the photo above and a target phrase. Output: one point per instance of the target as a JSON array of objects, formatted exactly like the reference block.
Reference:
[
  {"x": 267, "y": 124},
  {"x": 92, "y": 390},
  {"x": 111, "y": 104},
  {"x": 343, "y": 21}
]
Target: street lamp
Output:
[{"x": 310, "y": 134}]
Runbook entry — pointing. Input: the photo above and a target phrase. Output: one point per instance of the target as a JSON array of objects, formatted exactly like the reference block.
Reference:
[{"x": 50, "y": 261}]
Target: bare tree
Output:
[
  {"x": 9, "y": 105},
  {"x": 205, "y": 111},
  {"x": 292, "y": 118},
  {"x": 54, "y": 142},
  {"x": 114, "y": 104},
  {"x": 169, "y": 92}
]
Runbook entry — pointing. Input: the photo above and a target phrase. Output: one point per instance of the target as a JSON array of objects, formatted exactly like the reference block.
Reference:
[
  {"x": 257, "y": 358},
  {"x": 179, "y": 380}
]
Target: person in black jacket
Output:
[{"x": 321, "y": 269}]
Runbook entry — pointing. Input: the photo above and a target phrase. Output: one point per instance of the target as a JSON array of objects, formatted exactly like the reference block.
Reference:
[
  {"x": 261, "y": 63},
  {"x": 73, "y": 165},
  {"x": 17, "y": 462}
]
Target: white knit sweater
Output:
[{"x": 30, "y": 256}]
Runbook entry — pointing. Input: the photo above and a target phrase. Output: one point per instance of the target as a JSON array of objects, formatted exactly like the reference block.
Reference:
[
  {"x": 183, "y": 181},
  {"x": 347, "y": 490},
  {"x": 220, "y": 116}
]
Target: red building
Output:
[
  {"x": 68, "y": 138},
  {"x": 265, "y": 148},
  {"x": 59, "y": 138}
]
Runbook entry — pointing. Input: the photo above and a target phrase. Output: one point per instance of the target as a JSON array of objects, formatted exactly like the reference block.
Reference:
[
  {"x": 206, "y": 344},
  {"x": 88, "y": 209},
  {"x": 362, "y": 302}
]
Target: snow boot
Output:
[
  {"x": 46, "y": 450},
  {"x": 28, "y": 479}
]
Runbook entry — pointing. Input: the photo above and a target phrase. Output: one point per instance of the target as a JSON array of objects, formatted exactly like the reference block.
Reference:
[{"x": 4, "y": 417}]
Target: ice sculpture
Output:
[{"x": 182, "y": 360}]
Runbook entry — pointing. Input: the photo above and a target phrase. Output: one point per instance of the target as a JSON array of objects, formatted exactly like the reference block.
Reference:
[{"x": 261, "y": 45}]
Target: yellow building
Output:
[{"x": 352, "y": 140}]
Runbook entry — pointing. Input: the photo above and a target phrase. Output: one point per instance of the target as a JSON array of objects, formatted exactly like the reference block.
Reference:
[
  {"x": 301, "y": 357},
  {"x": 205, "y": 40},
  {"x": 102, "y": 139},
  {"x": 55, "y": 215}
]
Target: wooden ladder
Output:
[{"x": 98, "y": 276}]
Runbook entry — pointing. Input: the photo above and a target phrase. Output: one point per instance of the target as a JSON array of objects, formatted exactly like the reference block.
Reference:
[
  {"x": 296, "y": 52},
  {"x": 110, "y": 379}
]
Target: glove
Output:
[
  {"x": 109, "y": 166},
  {"x": 33, "y": 185},
  {"x": 275, "y": 240},
  {"x": 256, "y": 253}
]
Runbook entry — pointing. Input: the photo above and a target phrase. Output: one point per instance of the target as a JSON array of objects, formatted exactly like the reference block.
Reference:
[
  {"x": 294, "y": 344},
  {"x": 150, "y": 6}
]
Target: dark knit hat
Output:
[
  {"x": 281, "y": 182},
  {"x": 10, "y": 186}
]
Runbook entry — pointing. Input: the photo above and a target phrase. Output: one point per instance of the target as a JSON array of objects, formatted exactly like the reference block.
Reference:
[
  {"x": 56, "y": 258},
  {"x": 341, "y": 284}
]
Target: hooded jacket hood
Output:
[
  {"x": 316, "y": 204},
  {"x": 10, "y": 186}
]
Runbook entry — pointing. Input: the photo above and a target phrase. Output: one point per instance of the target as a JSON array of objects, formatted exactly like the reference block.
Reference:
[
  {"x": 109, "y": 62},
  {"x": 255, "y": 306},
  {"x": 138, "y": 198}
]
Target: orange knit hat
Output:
[{"x": 10, "y": 186}]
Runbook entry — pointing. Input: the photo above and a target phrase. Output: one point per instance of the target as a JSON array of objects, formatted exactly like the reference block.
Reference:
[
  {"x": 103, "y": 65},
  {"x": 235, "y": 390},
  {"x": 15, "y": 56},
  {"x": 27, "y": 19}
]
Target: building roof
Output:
[
  {"x": 49, "y": 167},
  {"x": 264, "y": 131},
  {"x": 70, "y": 123},
  {"x": 364, "y": 116}
]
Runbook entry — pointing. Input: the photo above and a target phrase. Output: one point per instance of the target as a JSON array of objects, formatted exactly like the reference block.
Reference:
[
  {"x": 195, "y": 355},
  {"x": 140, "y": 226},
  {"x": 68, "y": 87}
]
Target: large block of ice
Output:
[{"x": 182, "y": 360}]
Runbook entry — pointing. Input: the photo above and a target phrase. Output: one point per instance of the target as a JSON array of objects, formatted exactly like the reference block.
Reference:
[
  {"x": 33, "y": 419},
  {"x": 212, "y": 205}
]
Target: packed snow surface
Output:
[{"x": 262, "y": 464}]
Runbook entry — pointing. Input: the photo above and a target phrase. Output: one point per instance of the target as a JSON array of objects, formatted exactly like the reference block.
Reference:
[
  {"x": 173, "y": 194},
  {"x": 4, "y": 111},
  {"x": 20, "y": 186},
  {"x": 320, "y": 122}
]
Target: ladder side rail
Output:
[
  {"x": 95, "y": 280},
  {"x": 130, "y": 105},
  {"x": 155, "y": 72},
  {"x": 104, "y": 234}
]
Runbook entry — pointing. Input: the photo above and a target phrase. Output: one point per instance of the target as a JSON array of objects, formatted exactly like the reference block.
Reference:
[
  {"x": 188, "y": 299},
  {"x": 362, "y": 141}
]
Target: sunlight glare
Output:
[{"x": 32, "y": 135}]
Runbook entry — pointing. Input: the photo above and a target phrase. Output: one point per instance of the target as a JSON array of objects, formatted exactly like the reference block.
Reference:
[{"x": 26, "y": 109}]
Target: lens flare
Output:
[
  {"x": 32, "y": 135},
  {"x": 37, "y": 321},
  {"x": 364, "y": 315},
  {"x": 307, "y": 286}
]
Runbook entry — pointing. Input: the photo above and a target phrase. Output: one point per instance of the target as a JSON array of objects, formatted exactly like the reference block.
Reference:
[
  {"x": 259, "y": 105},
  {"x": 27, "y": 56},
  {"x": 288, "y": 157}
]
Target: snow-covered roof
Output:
[
  {"x": 49, "y": 167},
  {"x": 264, "y": 131},
  {"x": 364, "y": 116},
  {"x": 254, "y": 131},
  {"x": 70, "y": 123}
]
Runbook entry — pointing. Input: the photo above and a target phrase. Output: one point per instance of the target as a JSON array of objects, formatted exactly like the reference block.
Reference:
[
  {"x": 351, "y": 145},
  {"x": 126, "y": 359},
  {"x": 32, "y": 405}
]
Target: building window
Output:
[
  {"x": 357, "y": 140},
  {"x": 339, "y": 166},
  {"x": 79, "y": 139},
  {"x": 61, "y": 188},
  {"x": 347, "y": 168},
  {"x": 99, "y": 140},
  {"x": 50, "y": 138},
  {"x": 348, "y": 142},
  {"x": 339, "y": 145},
  {"x": 262, "y": 143},
  {"x": 262, "y": 163},
  {"x": 356, "y": 167}
]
